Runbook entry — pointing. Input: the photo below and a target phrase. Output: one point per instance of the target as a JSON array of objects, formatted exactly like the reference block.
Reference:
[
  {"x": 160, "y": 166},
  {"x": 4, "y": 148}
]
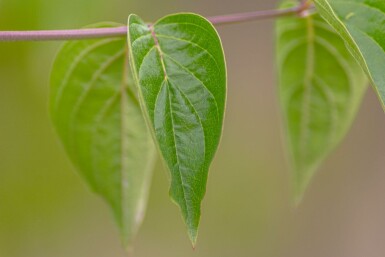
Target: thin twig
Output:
[
  {"x": 76, "y": 34},
  {"x": 253, "y": 16},
  {"x": 46, "y": 35}
]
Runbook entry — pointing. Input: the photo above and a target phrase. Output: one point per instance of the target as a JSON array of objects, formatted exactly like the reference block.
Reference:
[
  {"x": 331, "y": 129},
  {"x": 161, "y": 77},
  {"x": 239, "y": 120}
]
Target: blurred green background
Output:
[{"x": 47, "y": 211}]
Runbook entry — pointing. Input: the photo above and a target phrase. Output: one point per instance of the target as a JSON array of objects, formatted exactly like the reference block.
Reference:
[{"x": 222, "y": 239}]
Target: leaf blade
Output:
[
  {"x": 97, "y": 116},
  {"x": 358, "y": 22},
  {"x": 183, "y": 98},
  {"x": 320, "y": 87}
]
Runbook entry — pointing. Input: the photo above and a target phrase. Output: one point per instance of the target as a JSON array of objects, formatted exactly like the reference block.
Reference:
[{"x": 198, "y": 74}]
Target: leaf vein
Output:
[
  {"x": 74, "y": 64},
  {"x": 192, "y": 43},
  {"x": 195, "y": 77},
  {"x": 103, "y": 67}
]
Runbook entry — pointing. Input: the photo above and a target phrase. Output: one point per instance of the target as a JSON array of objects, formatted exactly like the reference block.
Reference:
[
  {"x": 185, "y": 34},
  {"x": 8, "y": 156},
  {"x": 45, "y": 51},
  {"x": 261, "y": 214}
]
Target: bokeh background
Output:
[{"x": 47, "y": 211}]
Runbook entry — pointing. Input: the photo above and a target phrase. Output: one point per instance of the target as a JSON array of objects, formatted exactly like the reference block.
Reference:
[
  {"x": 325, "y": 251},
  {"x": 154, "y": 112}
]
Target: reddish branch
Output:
[{"x": 44, "y": 35}]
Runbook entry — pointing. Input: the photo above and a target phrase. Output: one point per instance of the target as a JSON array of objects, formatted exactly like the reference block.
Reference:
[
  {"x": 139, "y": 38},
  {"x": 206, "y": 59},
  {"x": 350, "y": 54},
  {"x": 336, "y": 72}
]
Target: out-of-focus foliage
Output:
[
  {"x": 95, "y": 109},
  {"x": 320, "y": 86}
]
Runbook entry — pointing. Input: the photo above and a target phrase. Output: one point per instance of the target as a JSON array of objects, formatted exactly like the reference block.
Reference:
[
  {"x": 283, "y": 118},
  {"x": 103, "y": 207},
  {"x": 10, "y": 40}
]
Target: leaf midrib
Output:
[
  {"x": 166, "y": 83},
  {"x": 307, "y": 85}
]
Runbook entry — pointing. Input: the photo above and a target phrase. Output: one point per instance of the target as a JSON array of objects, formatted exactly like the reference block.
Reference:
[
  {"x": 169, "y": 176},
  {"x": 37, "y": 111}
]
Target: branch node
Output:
[{"x": 305, "y": 8}]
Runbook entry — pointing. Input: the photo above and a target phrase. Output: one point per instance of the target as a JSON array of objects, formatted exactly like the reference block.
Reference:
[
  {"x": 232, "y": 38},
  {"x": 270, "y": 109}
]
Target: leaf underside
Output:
[
  {"x": 178, "y": 64},
  {"x": 361, "y": 24},
  {"x": 320, "y": 88},
  {"x": 98, "y": 118}
]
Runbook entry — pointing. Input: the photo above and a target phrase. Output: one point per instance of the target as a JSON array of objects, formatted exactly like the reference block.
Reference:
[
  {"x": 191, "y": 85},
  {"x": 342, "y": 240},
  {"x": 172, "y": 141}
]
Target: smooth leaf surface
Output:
[
  {"x": 320, "y": 87},
  {"x": 361, "y": 23},
  {"x": 180, "y": 71},
  {"x": 98, "y": 117}
]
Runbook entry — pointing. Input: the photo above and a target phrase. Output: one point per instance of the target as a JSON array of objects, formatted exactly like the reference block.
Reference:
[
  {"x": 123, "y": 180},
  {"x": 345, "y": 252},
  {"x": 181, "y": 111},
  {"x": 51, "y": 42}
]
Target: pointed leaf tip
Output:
[{"x": 193, "y": 235}]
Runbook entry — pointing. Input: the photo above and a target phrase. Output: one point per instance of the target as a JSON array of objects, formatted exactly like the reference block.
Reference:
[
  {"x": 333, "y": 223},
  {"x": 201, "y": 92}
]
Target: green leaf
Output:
[
  {"x": 98, "y": 118},
  {"x": 361, "y": 23},
  {"x": 320, "y": 87},
  {"x": 179, "y": 66}
]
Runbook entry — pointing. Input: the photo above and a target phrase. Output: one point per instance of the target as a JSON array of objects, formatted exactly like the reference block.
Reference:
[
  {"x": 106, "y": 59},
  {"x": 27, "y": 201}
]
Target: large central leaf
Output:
[
  {"x": 180, "y": 70},
  {"x": 321, "y": 86},
  {"x": 97, "y": 115},
  {"x": 361, "y": 23}
]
